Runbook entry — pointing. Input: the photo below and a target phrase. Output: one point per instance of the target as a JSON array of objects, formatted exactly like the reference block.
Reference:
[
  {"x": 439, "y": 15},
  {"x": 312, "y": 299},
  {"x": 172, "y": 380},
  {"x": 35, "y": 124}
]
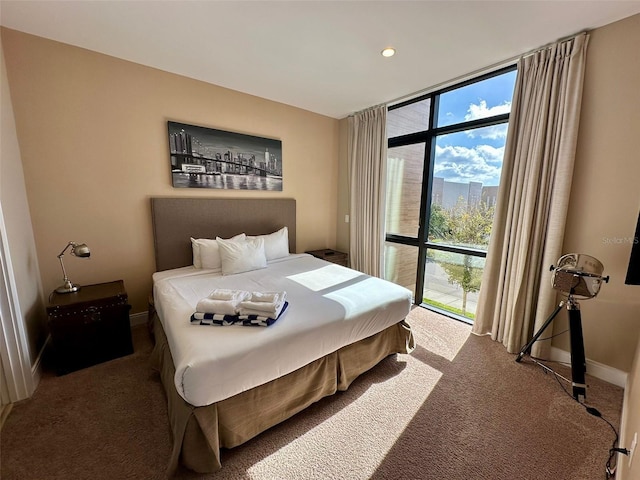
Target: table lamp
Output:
[{"x": 78, "y": 250}]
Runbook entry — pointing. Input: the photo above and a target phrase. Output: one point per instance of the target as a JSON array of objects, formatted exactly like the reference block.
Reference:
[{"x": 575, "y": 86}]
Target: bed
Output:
[{"x": 227, "y": 384}]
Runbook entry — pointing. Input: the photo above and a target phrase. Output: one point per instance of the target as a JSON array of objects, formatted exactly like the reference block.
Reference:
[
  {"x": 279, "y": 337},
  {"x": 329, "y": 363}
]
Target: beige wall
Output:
[
  {"x": 92, "y": 131},
  {"x": 631, "y": 423},
  {"x": 17, "y": 221},
  {"x": 605, "y": 202},
  {"x": 605, "y": 195},
  {"x": 342, "y": 233}
]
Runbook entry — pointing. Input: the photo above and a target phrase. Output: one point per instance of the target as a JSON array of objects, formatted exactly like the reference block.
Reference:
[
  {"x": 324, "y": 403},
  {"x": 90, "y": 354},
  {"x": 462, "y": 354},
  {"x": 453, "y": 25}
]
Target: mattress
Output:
[{"x": 330, "y": 306}]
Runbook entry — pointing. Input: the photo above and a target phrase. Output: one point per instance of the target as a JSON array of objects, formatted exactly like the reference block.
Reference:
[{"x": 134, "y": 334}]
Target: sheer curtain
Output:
[
  {"x": 528, "y": 228},
  {"x": 367, "y": 172}
]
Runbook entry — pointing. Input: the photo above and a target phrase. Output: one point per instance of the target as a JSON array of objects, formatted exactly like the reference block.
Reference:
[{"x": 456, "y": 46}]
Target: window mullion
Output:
[{"x": 425, "y": 203}]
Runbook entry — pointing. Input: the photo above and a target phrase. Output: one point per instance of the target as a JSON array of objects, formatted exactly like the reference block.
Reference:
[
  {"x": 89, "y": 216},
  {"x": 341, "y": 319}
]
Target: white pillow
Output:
[
  {"x": 241, "y": 256},
  {"x": 206, "y": 252},
  {"x": 276, "y": 244}
]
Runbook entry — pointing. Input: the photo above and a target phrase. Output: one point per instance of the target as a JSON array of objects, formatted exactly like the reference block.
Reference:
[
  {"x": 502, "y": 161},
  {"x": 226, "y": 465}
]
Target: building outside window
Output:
[{"x": 444, "y": 162}]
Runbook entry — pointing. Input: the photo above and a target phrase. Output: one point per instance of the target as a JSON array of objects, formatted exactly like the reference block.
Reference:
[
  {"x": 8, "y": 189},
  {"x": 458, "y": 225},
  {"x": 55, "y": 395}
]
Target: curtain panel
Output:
[
  {"x": 528, "y": 229},
  {"x": 367, "y": 150}
]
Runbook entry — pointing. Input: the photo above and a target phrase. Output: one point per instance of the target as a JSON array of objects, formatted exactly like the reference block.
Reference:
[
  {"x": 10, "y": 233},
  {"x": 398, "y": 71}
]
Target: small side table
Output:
[
  {"x": 89, "y": 326},
  {"x": 332, "y": 256}
]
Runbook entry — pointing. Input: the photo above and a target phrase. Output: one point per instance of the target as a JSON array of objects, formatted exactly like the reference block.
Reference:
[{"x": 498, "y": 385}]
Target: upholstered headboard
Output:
[{"x": 176, "y": 219}]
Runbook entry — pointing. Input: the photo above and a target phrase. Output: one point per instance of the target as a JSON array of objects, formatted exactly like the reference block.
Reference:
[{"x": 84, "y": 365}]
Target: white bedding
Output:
[{"x": 330, "y": 306}]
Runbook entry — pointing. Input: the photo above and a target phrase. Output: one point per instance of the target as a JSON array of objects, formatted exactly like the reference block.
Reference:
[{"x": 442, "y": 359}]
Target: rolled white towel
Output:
[{"x": 222, "y": 307}]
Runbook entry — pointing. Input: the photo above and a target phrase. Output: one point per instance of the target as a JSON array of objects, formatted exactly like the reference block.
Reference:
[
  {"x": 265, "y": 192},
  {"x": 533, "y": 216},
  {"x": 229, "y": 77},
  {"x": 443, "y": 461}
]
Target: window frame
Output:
[{"x": 428, "y": 137}]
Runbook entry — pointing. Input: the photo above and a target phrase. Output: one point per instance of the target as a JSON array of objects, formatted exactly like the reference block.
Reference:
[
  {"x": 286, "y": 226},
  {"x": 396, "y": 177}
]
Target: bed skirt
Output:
[{"x": 200, "y": 432}]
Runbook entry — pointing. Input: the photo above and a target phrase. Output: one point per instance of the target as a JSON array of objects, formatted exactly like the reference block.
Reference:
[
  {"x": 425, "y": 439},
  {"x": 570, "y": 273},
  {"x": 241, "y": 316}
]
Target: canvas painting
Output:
[{"x": 208, "y": 158}]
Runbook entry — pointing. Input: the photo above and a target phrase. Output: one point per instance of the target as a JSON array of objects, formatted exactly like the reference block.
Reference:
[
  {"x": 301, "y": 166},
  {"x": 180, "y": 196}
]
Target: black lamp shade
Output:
[{"x": 633, "y": 273}]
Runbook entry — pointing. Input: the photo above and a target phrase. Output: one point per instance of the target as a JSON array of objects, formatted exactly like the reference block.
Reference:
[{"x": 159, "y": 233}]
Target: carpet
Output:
[{"x": 459, "y": 407}]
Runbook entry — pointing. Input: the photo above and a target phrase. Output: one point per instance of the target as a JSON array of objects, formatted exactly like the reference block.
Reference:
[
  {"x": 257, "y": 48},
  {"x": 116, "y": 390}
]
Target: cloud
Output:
[
  {"x": 494, "y": 132},
  {"x": 482, "y": 111},
  {"x": 481, "y": 163}
]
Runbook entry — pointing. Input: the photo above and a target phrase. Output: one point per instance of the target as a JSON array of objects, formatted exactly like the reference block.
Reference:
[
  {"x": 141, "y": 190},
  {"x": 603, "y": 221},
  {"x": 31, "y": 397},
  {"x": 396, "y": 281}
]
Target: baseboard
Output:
[
  {"x": 138, "y": 319},
  {"x": 596, "y": 369},
  {"x": 624, "y": 419}
]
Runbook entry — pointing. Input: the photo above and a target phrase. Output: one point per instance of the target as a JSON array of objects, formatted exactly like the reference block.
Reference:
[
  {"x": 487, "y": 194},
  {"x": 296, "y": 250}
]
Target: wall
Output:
[
  {"x": 631, "y": 422},
  {"x": 93, "y": 134},
  {"x": 344, "y": 189},
  {"x": 605, "y": 195},
  {"x": 17, "y": 221}
]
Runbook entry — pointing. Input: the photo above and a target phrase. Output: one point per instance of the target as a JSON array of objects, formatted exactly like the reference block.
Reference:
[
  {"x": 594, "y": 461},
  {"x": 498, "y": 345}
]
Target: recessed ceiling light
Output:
[{"x": 388, "y": 52}]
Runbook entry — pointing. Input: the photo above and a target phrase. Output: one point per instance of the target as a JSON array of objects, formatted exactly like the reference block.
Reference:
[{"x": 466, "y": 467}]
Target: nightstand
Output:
[
  {"x": 332, "y": 256},
  {"x": 89, "y": 326}
]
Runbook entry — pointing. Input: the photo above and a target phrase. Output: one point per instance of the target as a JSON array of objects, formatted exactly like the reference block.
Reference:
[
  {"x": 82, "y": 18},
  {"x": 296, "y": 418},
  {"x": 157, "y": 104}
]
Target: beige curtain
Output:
[
  {"x": 367, "y": 171},
  {"x": 516, "y": 295}
]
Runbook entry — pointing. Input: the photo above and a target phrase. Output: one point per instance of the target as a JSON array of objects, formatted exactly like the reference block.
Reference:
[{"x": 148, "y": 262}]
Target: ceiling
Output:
[{"x": 322, "y": 56}]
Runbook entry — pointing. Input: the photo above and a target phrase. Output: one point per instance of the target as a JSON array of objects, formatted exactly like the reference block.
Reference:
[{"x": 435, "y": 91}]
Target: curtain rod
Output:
[
  {"x": 367, "y": 109},
  {"x": 481, "y": 71},
  {"x": 458, "y": 79}
]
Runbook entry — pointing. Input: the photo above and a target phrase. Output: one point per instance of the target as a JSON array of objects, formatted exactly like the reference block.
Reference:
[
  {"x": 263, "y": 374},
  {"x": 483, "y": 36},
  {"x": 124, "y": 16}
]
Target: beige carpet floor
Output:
[{"x": 459, "y": 407}]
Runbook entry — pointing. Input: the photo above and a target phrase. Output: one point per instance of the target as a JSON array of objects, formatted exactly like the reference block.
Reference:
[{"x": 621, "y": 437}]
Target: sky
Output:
[{"x": 474, "y": 155}]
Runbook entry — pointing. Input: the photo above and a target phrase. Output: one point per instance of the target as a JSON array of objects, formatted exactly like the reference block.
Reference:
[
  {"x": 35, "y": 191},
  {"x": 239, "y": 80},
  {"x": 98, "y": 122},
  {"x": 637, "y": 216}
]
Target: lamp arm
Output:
[
  {"x": 70, "y": 244},
  {"x": 64, "y": 272}
]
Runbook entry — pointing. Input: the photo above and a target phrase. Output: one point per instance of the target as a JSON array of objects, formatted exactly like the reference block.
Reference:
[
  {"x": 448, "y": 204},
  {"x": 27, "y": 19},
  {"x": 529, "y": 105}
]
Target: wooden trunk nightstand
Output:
[
  {"x": 332, "y": 256},
  {"x": 89, "y": 326}
]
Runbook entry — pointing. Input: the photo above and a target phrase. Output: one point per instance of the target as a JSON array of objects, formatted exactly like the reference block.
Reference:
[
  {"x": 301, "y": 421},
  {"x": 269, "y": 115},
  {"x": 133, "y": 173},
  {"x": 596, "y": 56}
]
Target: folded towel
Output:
[
  {"x": 199, "y": 318},
  {"x": 261, "y": 308},
  {"x": 261, "y": 320},
  {"x": 222, "y": 307},
  {"x": 263, "y": 303},
  {"x": 227, "y": 307},
  {"x": 222, "y": 301},
  {"x": 232, "y": 295},
  {"x": 268, "y": 297}
]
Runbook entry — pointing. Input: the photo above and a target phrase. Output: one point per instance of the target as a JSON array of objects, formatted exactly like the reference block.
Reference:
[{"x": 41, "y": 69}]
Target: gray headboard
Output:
[{"x": 176, "y": 219}]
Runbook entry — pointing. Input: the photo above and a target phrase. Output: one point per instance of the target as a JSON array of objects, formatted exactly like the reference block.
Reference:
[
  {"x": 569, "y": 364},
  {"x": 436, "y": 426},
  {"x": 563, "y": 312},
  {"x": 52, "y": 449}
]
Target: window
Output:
[{"x": 443, "y": 172}]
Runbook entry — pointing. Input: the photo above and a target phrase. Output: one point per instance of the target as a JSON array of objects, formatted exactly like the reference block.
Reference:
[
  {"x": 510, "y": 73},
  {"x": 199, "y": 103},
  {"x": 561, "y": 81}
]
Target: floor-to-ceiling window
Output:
[{"x": 443, "y": 173}]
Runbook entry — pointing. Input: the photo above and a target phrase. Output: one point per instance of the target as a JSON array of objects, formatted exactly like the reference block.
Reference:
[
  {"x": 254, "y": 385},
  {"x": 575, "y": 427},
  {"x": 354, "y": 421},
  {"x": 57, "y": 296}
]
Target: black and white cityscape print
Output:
[{"x": 208, "y": 158}]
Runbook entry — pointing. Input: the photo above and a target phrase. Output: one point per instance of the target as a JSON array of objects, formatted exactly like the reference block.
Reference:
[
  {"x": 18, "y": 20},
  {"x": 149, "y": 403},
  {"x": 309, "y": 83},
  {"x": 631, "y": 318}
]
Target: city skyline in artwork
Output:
[{"x": 208, "y": 158}]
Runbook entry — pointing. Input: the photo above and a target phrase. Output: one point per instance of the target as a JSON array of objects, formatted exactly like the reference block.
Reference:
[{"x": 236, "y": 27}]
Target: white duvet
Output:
[{"x": 329, "y": 307}]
